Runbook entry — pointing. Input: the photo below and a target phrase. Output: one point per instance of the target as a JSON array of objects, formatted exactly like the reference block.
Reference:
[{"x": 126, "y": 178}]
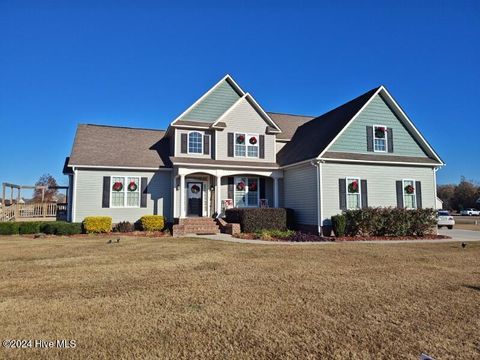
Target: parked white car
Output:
[
  {"x": 445, "y": 219},
  {"x": 470, "y": 212}
]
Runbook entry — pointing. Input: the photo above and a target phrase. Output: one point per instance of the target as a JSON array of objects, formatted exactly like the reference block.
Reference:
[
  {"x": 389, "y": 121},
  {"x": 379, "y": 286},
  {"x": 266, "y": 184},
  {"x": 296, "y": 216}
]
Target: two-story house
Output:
[{"x": 226, "y": 151}]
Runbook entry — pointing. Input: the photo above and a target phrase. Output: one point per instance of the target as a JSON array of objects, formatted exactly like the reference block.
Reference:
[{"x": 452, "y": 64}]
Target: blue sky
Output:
[{"x": 141, "y": 63}]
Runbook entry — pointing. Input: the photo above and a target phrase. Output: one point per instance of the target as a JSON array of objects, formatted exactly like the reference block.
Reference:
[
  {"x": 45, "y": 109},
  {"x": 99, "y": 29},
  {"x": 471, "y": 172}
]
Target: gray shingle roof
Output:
[
  {"x": 311, "y": 138},
  {"x": 99, "y": 145},
  {"x": 288, "y": 123}
]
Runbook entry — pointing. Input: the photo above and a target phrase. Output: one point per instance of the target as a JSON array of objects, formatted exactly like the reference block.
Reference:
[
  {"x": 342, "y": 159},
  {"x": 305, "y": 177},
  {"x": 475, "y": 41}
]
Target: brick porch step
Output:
[{"x": 195, "y": 226}]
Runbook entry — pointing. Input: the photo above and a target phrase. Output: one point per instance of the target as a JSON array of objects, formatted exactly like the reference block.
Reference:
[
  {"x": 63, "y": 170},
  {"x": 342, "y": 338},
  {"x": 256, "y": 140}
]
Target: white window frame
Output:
[
  {"x": 236, "y": 179},
  {"x": 359, "y": 194},
  {"x": 246, "y": 144},
  {"x": 414, "y": 193},
  {"x": 125, "y": 189},
  {"x": 202, "y": 133},
  {"x": 385, "y": 138}
]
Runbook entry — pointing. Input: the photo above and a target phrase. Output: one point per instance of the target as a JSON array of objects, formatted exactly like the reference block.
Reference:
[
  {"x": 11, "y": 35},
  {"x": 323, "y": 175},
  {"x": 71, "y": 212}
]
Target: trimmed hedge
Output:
[
  {"x": 152, "y": 222},
  {"x": 339, "y": 224},
  {"x": 258, "y": 219},
  {"x": 390, "y": 222},
  {"x": 97, "y": 224},
  {"x": 61, "y": 228},
  {"x": 28, "y": 227},
  {"x": 9, "y": 228},
  {"x": 124, "y": 227}
]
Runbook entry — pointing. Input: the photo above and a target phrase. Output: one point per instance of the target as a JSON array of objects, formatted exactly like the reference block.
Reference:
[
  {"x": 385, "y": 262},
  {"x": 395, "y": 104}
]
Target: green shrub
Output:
[
  {"x": 30, "y": 227},
  {"x": 97, "y": 224},
  {"x": 389, "y": 222},
  {"x": 339, "y": 223},
  {"x": 257, "y": 219},
  {"x": 8, "y": 228},
  {"x": 124, "y": 227},
  {"x": 152, "y": 222},
  {"x": 61, "y": 228}
]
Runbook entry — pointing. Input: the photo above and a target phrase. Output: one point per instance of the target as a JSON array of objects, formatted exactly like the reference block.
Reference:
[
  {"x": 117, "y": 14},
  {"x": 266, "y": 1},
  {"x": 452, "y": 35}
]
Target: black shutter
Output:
[
  {"x": 390, "y": 140},
  {"x": 143, "y": 192},
  {"x": 261, "y": 144},
  {"x": 364, "y": 191},
  {"x": 342, "y": 190},
  {"x": 369, "y": 138},
  {"x": 206, "y": 144},
  {"x": 183, "y": 148},
  {"x": 230, "y": 144},
  {"x": 106, "y": 192},
  {"x": 418, "y": 191},
  {"x": 262, "y": 188},
  {"x": 231, "y": 184},
  {"x": 400, "y": 194}
]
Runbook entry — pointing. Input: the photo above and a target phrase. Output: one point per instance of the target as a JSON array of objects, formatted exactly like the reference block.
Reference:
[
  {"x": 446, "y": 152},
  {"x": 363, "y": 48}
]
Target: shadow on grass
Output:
[{"x": 473, "y": 287}]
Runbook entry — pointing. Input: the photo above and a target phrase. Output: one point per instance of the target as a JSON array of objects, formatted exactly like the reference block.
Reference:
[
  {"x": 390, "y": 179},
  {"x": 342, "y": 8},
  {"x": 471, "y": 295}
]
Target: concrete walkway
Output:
[{"x": 457, "y": 236}]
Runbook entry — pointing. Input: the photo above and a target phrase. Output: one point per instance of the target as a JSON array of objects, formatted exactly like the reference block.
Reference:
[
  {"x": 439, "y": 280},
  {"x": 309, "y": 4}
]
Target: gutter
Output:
[{"x": 318, "y": 166}]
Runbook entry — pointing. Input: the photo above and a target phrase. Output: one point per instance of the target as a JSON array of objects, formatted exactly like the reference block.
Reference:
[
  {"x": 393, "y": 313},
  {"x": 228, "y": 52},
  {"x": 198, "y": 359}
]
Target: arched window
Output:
[{"x": 195, "y": 142}]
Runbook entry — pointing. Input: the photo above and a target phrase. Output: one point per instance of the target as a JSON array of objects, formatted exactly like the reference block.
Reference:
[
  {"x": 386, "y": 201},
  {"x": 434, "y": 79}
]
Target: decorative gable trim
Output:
[
  {"x": 226, "y": 78},
  {"x": 399, "y": 112}
]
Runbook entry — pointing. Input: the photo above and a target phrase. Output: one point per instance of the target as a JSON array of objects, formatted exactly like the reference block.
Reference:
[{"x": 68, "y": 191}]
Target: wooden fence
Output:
[{"x": 36, "y": 210}]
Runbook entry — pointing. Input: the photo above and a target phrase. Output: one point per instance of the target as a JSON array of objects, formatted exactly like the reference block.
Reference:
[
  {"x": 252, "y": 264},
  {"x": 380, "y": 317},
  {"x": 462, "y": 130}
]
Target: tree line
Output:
[{"x": 460, "y": 196}]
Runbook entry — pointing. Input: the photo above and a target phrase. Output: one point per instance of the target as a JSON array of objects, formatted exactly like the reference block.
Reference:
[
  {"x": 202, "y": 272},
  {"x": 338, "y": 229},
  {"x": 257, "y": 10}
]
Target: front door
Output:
[{"x": 194, "y": 196}]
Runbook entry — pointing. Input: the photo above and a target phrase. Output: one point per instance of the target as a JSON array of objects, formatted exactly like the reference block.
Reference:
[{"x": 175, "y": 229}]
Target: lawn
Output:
[{"x": 192, "y": 298}]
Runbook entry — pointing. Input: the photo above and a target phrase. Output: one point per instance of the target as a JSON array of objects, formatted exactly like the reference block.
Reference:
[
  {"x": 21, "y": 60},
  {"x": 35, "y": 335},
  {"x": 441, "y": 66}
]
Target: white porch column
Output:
[
  {"x": 275, "y": 192},
  {"x": 182, "y": 196},
  {"x": 218, "y": 194}
]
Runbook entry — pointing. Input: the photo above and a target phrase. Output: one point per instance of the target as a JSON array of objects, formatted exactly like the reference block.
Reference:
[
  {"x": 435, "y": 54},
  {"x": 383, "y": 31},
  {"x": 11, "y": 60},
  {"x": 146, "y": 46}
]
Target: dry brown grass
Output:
[
  {"x": 191, "y": 298},
  {"x": 468, "y": 227}
]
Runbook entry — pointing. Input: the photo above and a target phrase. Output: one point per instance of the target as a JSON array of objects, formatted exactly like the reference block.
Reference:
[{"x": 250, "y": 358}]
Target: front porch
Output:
[{"x": 202, "y": 192}]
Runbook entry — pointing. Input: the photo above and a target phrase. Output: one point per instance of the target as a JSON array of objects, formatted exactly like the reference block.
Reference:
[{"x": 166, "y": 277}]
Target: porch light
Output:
[{"x": 212, "y": 188}]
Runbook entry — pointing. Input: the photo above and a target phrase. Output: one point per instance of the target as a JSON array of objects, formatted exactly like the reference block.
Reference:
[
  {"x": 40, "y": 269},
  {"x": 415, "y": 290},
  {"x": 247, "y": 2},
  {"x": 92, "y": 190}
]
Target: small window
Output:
[
  {"x": 409, "y": 194},
  {"x": 380, "y": 138},
  {"x": 246, "y": 192},
  {"x": 246, "y": 145},
  {"x": 353, "y": 193},
  {"x": 125, "y": 191},
  {"x": 195, "y": 142}
]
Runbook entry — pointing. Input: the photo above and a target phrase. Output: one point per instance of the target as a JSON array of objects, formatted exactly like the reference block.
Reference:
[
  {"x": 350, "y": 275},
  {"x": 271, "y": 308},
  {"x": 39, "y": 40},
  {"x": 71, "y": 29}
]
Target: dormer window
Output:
[
  {"x": 246, "y": 145},
  {"x": 195, "y": 142},
  {"x": 380, "y": 138}
]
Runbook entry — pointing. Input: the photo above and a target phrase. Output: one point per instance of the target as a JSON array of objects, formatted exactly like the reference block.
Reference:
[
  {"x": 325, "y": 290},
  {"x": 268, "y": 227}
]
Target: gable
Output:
[
  {"x": 377, "y": 112},
  {"x": 209, "y": 108}
]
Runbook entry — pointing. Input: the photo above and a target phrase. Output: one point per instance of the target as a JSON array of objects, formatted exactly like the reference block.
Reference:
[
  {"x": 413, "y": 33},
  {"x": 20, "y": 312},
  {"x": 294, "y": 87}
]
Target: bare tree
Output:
[{"x": 50, "y": 194}]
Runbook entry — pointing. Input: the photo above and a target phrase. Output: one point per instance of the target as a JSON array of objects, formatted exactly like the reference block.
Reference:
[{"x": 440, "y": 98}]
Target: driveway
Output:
[{"x": 460, "y": 235}]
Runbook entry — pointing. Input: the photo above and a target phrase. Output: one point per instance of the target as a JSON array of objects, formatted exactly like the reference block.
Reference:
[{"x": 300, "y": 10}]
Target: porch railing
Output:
[{"x": 36, "y": 210}]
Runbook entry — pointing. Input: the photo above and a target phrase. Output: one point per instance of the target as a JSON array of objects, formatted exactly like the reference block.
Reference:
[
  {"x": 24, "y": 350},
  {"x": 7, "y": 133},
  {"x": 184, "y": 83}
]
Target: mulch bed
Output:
[
  {"x": 143, "y": 234},
  {"x": 314, "y": 238}
]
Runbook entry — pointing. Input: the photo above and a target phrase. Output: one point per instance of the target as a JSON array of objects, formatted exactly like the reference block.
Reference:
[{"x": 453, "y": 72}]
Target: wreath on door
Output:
[
  {"x": 240, "y": 186},
  {"x": 195, "y": 189},
  {"x": 252, "y": 186}
]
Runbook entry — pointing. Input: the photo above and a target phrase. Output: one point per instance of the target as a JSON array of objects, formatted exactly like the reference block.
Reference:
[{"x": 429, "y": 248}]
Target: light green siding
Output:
[
  {"x": 213, "y": 105},
  {"x": 354, "y": 139}
]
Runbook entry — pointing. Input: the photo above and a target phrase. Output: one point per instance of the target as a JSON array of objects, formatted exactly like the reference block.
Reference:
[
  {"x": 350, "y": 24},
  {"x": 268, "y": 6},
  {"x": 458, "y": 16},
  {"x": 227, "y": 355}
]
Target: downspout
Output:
[
  {"x": 318, "y": 166},
  {"x": 435, "y": 169},
  {"x": 74, "y": 194}
]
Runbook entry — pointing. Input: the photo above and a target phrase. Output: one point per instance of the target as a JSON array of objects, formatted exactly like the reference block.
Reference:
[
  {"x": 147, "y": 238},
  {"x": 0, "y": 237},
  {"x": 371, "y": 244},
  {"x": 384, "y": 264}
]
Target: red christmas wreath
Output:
[
  {"x": 195, "y": 189},
  {"x": 380, "y": 132},
  {"x": 409, "y": 189},
  {"x": 132, "y": 186},
  {"x": 240, "y": 139},
  {"x": 117, "y": 186},
  {"x": 353, "y": 187},
  {"x": 252, "y": 186},
  {"x": 253, "y": 140},
  {"x": 241, "y": 186}
]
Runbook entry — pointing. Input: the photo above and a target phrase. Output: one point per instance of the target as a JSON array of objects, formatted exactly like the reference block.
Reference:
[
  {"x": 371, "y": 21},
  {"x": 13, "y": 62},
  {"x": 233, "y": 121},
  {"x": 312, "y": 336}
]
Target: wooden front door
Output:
[{"x": 195, "y": 198}]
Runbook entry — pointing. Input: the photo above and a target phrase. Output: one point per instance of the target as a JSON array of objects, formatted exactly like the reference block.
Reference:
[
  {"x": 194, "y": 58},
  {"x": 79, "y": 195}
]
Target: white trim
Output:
[
  {"x": 124, "y": 190},
  {"x": 191, "y": 127},
  {"x": 379, "y": 162},
  {"x": 299, "y": 163},
  {"x": 414, "y": 193},
  {"x": 359, "y": 194},
  {"x": 74, "y": 193},
  {"x": 317, "y": 164},
  {"x": 385, "y": 138},
  {"x": 225, "y": 78},
  {"x": 320, "y": 170},
  {"x": 227, "y": 166},
  {"x": 435, "y": 188},
  {"x": 122, "y": 167},
  {"x": 202, "y": 134},
  {"x": 246, "y": 191}
]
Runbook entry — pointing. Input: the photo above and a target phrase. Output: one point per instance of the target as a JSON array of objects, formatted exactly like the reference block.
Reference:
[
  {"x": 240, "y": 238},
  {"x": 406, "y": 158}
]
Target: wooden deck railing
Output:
[{"x": 36, "y": 210}]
